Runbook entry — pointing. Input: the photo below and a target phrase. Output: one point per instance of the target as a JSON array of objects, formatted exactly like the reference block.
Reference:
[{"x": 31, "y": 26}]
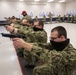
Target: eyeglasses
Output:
[{"x": 53, "y": 38}]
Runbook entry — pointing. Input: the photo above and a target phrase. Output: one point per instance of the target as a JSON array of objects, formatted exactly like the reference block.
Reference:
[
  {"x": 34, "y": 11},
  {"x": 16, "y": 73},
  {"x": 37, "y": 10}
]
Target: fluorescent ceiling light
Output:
[
  {"x": 21, "y": 0},
  {"x": 62, "y": 1},
  {"x": 36, "y": 0},
  {"x": 50, "y": 0}
]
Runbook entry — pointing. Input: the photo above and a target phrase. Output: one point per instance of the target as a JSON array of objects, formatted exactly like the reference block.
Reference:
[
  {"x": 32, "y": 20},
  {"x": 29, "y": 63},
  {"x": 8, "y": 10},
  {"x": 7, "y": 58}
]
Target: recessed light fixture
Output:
[
  {"x": 62, "y": 1},
  {"x": 37, "y": 0},
  {"x": 50, "y": 0},
  {"x": 21, "y": 0}
]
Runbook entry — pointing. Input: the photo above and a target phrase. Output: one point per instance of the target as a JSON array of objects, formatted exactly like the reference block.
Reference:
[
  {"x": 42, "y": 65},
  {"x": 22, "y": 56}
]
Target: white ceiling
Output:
[{"x": 40, "y": 0}]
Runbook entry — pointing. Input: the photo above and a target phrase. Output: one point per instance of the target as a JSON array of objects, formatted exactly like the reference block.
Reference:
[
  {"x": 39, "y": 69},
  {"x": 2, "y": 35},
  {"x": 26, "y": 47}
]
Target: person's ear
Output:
[
  {"x": 62, "y": 37},
  {"x": 40, "y": 26}
]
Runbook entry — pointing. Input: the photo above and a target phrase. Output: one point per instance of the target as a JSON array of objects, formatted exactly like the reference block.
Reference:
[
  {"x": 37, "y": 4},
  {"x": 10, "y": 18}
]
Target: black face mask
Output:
[
  {"x": 37, "y": 29},
  {"x": 59, "y": 46},
  {"x": 24, "y": 14}
]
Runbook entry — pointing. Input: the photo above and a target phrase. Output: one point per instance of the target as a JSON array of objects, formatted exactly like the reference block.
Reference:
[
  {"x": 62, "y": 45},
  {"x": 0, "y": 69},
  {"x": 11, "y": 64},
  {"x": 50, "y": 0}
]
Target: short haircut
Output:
[
  {"x": 61, "y": 31},
  {"x": 41, "y": 23}
]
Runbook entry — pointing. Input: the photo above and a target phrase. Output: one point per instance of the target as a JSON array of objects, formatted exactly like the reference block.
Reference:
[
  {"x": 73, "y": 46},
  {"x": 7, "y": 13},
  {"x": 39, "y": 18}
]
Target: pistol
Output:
[
  {"x": 3, "y": 23},
  {"x": 13, "y": 35}
]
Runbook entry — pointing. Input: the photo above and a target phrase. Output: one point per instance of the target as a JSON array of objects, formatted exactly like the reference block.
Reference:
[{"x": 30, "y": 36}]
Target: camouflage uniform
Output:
[
  {"x": 58, "y": 18},
  {"x": 50, "y": 17},
  {"x": 33, "y": 36},
  {"x": 52, "y": 62},
  {"x": 74, "y": 18},
  {"x": 36, "y": 18},
  {"x": 44, "y": 18},
  {"x": 16, "y": 25},
  {"x": 19, "y": 26},
  {"x": 68, "y": 18},
  {"x": 27, "y": 17}
]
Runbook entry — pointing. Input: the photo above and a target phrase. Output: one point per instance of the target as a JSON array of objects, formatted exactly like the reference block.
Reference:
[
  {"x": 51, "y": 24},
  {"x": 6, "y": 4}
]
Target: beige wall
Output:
[
  {"x": 70, "y": 6},
  {"x": 14, "y": 8}
]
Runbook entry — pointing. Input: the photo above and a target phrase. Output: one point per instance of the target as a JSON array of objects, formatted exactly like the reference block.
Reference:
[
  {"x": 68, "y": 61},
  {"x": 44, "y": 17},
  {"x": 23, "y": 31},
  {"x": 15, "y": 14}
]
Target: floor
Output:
[{"x": 9, "y": 64}]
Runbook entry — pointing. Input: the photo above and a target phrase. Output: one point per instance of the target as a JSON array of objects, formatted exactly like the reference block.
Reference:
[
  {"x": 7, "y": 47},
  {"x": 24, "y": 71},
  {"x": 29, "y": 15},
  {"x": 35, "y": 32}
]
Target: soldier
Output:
[
  {"x": 56, "y": 58},
  {"x": 68, "y": 18},
  {"x": 58, "y": 18},
  {"x": 26, "y": 16},
  {"x": 13, "y": 28},
  {"x": 64, "y": 18},
  {"x": 74, "y": 19},
  {"x": 36, "y": 18},
  {"x": 35, "y": 33},
  {"x": 50, "y": 17},
  {"x": 44, "y": 19}
]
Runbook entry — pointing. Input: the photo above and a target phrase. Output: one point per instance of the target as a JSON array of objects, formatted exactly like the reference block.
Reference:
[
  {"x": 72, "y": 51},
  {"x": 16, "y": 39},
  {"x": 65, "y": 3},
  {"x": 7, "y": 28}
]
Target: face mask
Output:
[
  {"x": 24, "y": 14},
  {"x": 37, "y": 29},
  {"x": 59, "y": 46}
]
